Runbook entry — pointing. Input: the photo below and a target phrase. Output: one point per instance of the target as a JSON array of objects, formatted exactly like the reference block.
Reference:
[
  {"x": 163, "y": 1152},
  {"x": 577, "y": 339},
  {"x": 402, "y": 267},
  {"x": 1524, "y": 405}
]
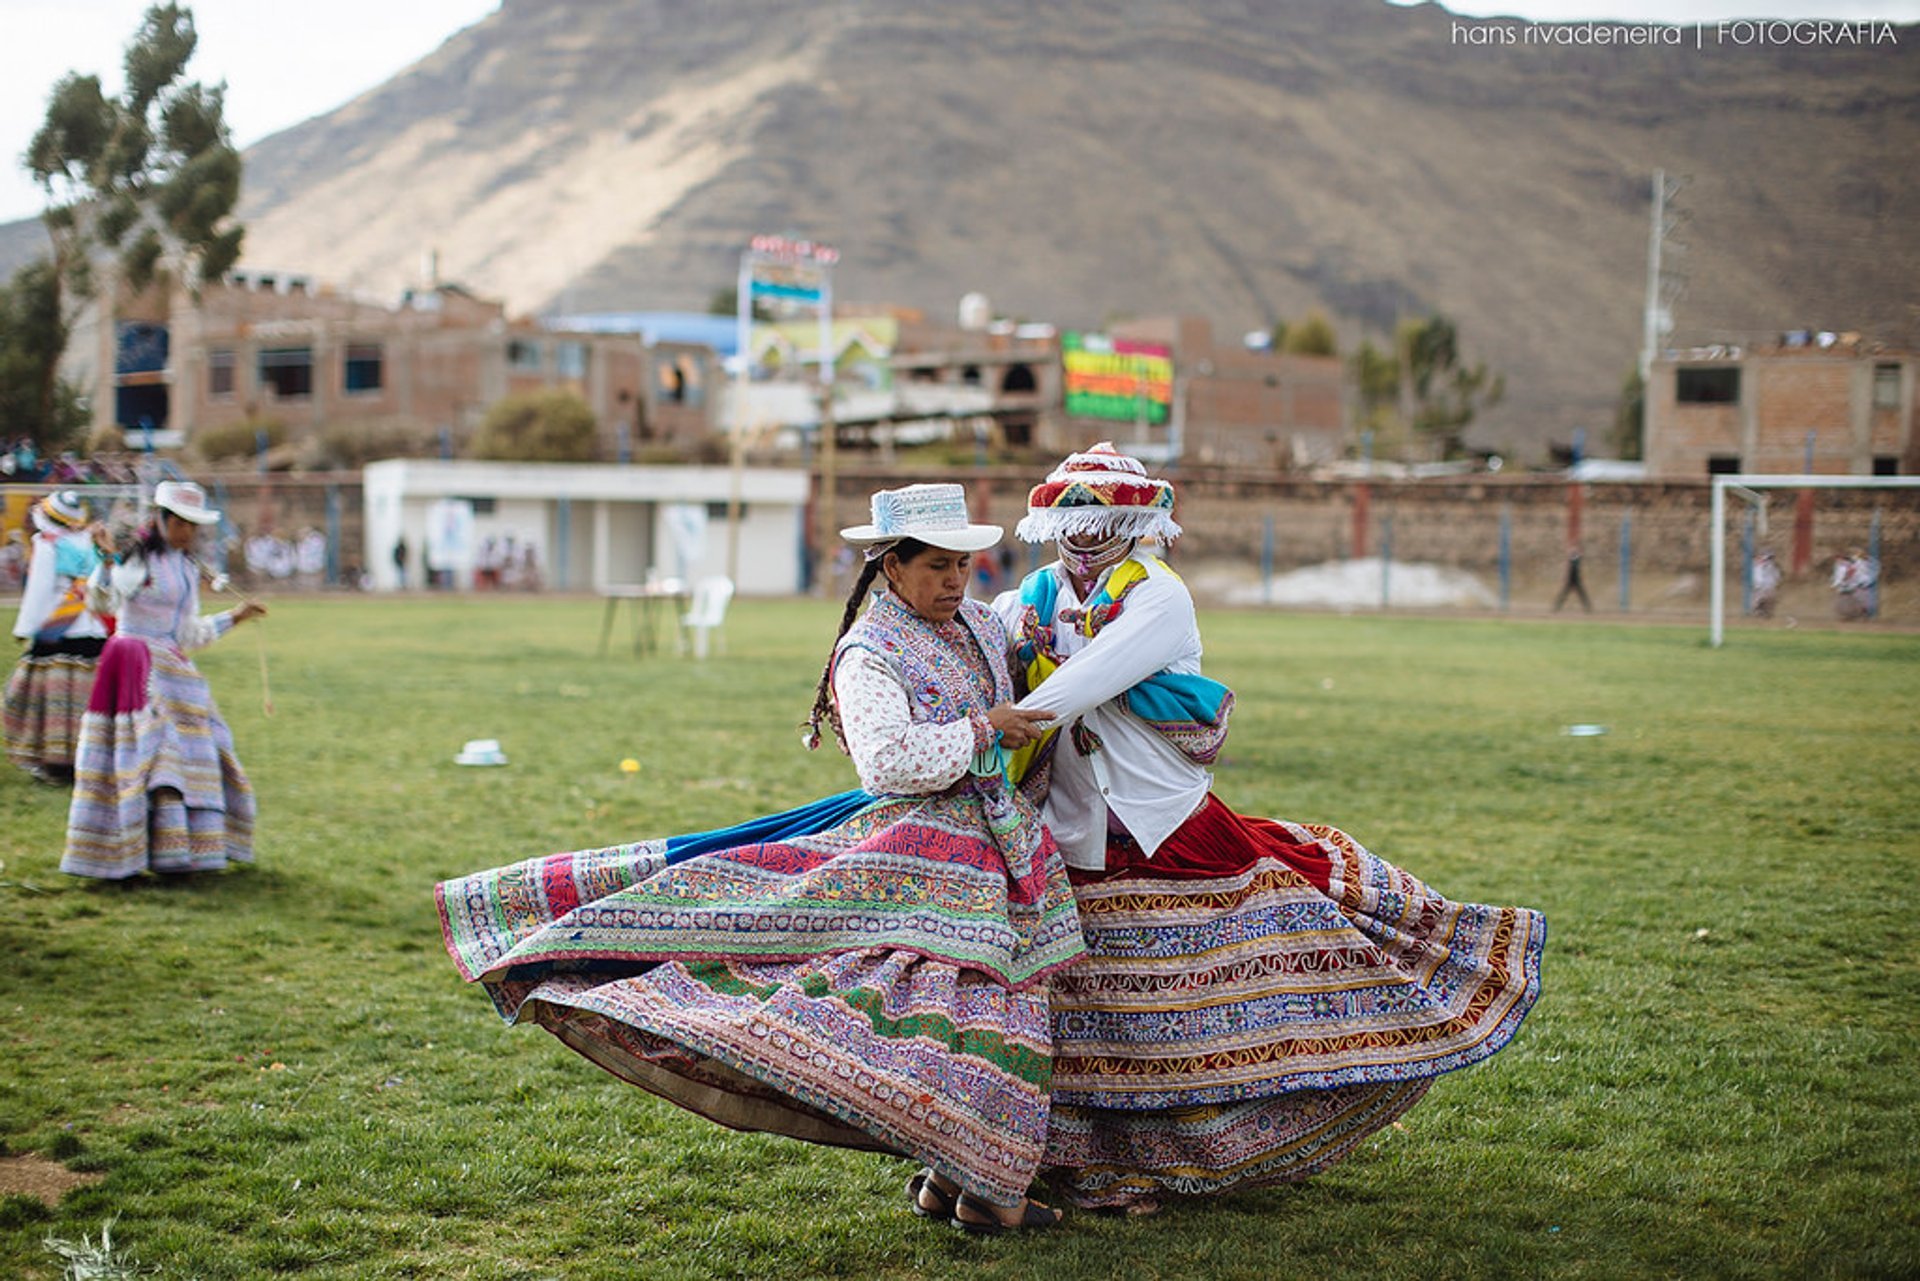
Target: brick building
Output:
[
  {"x": 1729, "y": 409},
  {"x": 262, "y": 347}
]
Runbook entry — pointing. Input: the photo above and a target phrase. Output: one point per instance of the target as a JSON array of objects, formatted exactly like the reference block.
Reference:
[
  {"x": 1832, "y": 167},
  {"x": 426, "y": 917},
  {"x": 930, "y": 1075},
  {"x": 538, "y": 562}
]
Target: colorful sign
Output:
[
  {"x": 788, "y": 282},
  {"x": 1119, "y": 379}
]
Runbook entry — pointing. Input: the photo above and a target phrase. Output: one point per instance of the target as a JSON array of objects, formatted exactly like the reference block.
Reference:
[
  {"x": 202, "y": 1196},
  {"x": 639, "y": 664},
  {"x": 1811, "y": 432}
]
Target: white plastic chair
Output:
[{"x": 706, "y": 611}]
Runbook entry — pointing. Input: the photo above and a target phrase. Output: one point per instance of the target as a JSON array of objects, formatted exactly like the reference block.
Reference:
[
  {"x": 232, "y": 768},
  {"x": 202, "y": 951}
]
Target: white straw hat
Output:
[
  {"x": 934, "y": 514},
  {"x": 186, "y": 500}
]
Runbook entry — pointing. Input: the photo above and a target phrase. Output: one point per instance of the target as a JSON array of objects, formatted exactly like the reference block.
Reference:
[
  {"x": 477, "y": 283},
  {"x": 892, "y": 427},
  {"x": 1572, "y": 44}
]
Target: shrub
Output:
[
  {"x": 237, "y": 440},
  {"x": 538, "y": 427},
  {"x": 355, "y": 443}
]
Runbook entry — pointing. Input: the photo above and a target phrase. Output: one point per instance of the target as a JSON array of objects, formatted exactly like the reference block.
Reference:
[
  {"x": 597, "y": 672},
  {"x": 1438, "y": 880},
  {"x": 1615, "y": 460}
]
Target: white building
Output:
[{"x": 591, "y": 525}]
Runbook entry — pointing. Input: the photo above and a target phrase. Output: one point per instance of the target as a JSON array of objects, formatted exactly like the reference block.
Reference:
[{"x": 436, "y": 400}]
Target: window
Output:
[
  {"x": 141, "y": 348},
  {"x": 1886, "y": 386},
  {"x": 523, "y": 357},
  {"x": 1723, "y": 464},
  {"x": 570, "y": 360},
  {"x": 365, "y": 367},
  {"x": 287, "y": 371},
  {"x": 1886, "y": 465},
  {"x": 220, "y": 366},
  {"x": 1718, "y": 385},
  {"x": 718, "y": 511}
]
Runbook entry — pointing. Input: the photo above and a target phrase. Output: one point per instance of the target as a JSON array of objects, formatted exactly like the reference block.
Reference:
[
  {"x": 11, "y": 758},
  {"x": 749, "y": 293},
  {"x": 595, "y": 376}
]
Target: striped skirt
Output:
[
  {"x": 862, "y": 972},
  {"x": 1258, "y": 999},
  {"x": 157, "y": 786},
  {"x": 46, "y": 697}
]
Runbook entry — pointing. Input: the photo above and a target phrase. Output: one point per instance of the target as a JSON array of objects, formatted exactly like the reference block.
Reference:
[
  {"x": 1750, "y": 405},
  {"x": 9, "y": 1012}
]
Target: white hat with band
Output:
[{"x": 934, "y": 514}]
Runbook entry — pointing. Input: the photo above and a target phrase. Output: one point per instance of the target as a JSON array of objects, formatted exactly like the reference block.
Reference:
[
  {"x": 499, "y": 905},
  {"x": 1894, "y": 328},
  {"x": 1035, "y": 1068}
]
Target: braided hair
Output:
[{"x": 823, "y": 705}]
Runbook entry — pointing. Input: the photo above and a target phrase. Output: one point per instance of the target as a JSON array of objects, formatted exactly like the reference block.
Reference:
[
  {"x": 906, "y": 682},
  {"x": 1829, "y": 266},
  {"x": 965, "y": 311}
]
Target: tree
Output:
[
  {"x": 1439, "y": 394},
  {"x": 32, "y": 335},
  {"x": 538, "y": 427},
  {"x": 1313, "y": 336},
  {"x": 1376, "y": 383},
  {"x": 1630, "y": 419},
  {"x": 143, "y": 184}
]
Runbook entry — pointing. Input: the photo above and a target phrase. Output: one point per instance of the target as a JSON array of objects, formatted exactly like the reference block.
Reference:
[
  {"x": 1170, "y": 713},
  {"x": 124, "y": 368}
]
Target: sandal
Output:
[
  {"x": 943, "y": 1202},
  {"x": 1034, "y": 1217}
]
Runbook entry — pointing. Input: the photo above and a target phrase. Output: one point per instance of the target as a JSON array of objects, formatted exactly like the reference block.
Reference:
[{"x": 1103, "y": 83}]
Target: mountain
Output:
[{"x": 1245, "y": 160}]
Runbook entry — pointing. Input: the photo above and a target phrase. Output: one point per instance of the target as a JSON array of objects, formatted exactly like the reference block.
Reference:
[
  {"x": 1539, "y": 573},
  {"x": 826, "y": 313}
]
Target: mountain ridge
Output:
[{"x": 1079, "y": 163}]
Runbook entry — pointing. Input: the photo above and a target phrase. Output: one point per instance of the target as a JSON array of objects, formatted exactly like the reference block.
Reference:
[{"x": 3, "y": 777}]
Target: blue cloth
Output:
[
  {"x": 75, "y": 557},
  {"x": 805, "y": 820}
]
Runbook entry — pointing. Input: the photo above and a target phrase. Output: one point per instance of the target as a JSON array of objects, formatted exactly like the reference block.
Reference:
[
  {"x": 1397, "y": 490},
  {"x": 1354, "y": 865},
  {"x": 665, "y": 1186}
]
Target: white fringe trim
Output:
[{"x": 1049, "y": 524}]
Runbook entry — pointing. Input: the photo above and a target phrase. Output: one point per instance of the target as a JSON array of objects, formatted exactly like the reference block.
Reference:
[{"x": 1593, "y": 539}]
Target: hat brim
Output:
[
  {"x": 200, "y": 516},
  {"x": 969, "y": 538}
]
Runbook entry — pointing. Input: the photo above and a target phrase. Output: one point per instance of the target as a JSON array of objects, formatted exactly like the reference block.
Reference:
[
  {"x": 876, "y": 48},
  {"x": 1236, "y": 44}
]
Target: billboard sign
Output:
[{"x": 1119, "y": 379}]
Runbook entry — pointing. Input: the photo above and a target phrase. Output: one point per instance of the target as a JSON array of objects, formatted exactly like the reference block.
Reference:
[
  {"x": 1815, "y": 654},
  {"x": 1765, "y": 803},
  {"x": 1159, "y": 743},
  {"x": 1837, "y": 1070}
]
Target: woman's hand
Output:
[
  {"x": 249, "y": 609},
  {"x": 1017, "y": 728}
]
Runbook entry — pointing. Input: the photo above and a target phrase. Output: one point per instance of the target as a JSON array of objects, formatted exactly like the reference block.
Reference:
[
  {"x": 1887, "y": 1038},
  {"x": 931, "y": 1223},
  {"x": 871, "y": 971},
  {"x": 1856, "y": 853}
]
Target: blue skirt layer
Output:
[{"x": 806, "y": 820}]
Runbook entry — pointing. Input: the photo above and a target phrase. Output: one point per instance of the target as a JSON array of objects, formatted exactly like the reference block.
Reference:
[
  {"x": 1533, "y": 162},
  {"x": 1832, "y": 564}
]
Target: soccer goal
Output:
[{"x": 1749, "y": 487}]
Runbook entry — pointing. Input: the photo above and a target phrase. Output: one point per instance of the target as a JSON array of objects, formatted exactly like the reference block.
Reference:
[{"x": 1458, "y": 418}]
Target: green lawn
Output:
[{"x": 277, "y": 1071}]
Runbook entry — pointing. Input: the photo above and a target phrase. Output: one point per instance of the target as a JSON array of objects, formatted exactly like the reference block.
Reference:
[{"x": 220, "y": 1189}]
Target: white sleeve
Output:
[
  {"x": 111, "y": 586},
  {"x": 1007, "y": 606},
  {"x": 197, "y": 631},
  {"x": 1155, "y": 627},
  {"x": 895, "y": 756},
  {"x": 38, "y": 594}
]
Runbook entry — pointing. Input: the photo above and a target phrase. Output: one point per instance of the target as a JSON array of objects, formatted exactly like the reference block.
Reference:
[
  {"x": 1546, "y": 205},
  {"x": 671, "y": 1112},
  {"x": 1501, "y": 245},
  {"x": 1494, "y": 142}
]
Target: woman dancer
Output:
[
  {"x": 47, "y": 693},
  {"x": 870, "y": 971},
  {"x": 157, "y": 786}
]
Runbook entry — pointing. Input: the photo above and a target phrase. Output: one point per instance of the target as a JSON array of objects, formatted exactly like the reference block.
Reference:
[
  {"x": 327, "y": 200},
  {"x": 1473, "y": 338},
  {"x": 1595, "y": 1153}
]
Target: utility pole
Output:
[
  {"x": 797, "y": 272},
  {"x": 1662, "y": 291}
]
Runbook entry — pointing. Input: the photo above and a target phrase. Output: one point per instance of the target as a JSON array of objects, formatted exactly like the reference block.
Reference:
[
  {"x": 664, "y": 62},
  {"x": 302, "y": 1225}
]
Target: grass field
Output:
[{"x": 276, "y": 1071}]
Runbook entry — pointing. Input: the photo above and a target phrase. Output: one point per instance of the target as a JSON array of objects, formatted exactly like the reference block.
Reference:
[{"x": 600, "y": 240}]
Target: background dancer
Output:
[
  {"x": 47, "y": 693},
  {"x": 157, "y": 786}
]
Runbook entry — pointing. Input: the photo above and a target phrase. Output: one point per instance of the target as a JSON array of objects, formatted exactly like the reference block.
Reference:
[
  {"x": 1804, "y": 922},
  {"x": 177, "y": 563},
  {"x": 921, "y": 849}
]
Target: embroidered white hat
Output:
[
  {"x": 186, "y": 500},
  {"x": 934, "y": 514},
  {"x": 60, "y": 512}
]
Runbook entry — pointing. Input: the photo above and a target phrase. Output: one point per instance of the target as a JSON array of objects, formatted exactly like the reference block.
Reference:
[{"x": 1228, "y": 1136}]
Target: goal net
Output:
[{"x": 1849, "y": 557}]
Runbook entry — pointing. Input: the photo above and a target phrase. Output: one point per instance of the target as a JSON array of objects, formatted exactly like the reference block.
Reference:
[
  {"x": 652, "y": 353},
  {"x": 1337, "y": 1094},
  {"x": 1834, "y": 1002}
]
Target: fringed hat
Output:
[
  {"x": 1101, "y": 491},
  {"x": 60, "y": 513}
]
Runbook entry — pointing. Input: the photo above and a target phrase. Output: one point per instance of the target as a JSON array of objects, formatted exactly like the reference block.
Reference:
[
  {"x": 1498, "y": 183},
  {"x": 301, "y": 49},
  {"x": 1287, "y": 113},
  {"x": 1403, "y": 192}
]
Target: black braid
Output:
[{"x": 823, "y": 705}]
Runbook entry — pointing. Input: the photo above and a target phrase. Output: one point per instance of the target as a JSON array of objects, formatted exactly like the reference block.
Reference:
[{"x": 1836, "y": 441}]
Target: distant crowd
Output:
[{"x": 21, "y": 462}]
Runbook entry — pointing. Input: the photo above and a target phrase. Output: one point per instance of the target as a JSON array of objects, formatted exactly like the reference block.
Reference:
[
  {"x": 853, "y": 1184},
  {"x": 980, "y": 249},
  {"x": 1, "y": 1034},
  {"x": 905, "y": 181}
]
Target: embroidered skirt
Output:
[
  {"x": 1258, "y": 999},
  {"x": 157, "y": 786},
  {"x": 880, "y": 983},
  {"x": 45, "y": 698}
]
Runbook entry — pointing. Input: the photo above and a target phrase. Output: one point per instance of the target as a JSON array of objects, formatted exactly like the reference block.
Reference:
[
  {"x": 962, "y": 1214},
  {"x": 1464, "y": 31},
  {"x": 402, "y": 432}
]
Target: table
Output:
[{"x": 644, "y": 602}]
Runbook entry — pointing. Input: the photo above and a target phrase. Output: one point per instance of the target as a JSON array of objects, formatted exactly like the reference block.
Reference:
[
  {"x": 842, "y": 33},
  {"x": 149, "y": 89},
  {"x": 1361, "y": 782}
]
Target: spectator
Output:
[{"x": 1766, "y": 584}]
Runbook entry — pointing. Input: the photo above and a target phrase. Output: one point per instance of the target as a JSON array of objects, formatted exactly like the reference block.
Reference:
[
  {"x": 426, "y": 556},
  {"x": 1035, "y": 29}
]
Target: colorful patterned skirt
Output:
[
  {"x": 870, "y": 973},
  {"x": 156, "y": 786},
  {"x": 45, "y": 699},
  {"x": 1257, "y": 1000}
]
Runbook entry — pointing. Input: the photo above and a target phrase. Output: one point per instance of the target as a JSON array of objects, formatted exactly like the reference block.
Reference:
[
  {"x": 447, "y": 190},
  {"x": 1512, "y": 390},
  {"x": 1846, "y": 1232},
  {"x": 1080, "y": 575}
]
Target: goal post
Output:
[{"x": 1738, "y": 481}]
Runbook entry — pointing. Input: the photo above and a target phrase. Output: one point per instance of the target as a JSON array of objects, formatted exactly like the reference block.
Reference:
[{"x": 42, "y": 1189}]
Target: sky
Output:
[
  {"x": 283, "y": 62},
  {"x": 286, "y": 62}
]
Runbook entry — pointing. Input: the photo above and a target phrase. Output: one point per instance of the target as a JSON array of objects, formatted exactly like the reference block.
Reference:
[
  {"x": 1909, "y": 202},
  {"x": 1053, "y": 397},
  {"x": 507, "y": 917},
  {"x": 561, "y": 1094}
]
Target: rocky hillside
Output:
[{"x": 1245, "y": 159}]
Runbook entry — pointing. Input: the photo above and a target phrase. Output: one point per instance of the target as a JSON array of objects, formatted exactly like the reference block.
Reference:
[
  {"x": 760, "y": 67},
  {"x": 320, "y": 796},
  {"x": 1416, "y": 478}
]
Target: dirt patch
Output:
[{"x": 35, "y": 1176}]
